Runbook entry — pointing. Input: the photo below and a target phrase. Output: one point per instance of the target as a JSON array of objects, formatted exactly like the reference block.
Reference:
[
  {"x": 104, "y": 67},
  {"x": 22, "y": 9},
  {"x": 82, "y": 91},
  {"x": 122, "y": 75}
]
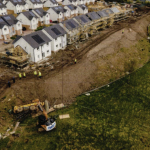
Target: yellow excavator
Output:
[{"x": 45, "y": 123}]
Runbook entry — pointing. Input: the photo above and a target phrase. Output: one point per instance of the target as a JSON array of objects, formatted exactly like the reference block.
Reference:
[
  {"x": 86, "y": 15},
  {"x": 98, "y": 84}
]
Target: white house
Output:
[
  {"x": 72, "y": 29},
  {"x": 58, "y": 13},
  {"x": 4, "y": 30},
  {"x": 34, "y": 4},
  {"x": 50, "y": 3},
  {"x": 72, "y": 9},
  {"x": 43, "y": 16},
  {"x": 80, "y": 2},
  {"x": 36, "y": 44},
  {"x": 17, "y": 6},
  {"x": 3, "y": 9},
  {"x": 82, "y": 9},
  {"x": 58, "y": 36},
  {"x": 15, "y": 26},
  {"x": 9, "y": 26},
  {"x": 68, "y": 2},
  {"x": 29, "y": 20}
]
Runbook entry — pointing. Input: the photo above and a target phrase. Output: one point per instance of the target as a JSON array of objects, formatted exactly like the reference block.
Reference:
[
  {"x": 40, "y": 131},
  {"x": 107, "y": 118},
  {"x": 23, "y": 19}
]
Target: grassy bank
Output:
[{"x": 115, "y": 117}]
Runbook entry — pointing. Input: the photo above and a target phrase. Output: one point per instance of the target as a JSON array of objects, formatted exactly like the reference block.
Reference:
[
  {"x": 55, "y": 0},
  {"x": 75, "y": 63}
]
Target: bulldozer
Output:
[{"x": 45, "y": 123}]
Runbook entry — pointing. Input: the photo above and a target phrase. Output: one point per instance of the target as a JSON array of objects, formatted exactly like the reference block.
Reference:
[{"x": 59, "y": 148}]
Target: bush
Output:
[
  {"x": 13, "y": 37},
  {"x": 39, "y": 28}
]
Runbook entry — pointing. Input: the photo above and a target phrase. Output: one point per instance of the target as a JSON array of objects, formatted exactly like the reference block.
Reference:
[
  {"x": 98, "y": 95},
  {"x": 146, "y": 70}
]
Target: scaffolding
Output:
[
  {"x": 16, "y": 57},
  {"x": 96, "y": 7},
  {"x": 122, "y": 14}
]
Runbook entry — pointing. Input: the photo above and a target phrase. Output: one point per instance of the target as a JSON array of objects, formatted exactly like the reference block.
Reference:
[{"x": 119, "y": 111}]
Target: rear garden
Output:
[{"x": 114, "y": 117}]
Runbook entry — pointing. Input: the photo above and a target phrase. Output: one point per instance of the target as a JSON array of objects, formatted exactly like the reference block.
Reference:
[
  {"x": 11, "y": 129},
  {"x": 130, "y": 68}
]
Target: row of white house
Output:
[
  {"x": 40, "y": 44},
  {"x": 18, "y": 6},
  {"x": 38, "y": 17}
]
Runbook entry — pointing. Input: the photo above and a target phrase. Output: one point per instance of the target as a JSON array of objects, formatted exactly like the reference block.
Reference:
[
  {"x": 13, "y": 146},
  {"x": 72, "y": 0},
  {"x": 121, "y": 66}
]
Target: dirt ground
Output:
[{"x": 98, "y": 61}]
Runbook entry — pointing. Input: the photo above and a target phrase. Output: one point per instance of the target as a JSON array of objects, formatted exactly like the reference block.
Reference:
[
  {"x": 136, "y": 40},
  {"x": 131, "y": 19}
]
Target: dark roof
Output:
[
  {"x": 2, "y": 5},
  {"x": 82, "y": 19},
  {"x": 40, "y": 12},
  {"x": 16, "y": 39},
  {"x": 35, "y": 39},
  {"x": 2, "y": 23},
  {"x": 93, "y": 16},
  {"x": 82, "y": 6},
  {"x": 70, "y": 24},
  {"x": 55, "y": 31},
  {"x": 9, "y": 19},
  {"x": 19, "y": 2},
  {"x": 71, "y": 7},
  {"x": 59, "y": 9},
  {"x": 36, "y": 1},
  {"x": 108, "y": 10},
  {"x": 54, "y": 1},
  {"x": 103, "y": 13},
  {"x": 29, "y": 14}
]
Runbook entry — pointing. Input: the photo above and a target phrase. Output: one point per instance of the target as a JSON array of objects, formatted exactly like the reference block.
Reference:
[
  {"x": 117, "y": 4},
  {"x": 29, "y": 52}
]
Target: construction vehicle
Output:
[
  {"x": 33, "y": 107},
  {"x": 44, "y": 122}
]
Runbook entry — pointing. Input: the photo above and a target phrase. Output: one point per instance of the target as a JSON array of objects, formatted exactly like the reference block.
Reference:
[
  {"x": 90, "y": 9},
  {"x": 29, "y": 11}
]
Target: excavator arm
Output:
[{"x": 43, "y": 110}]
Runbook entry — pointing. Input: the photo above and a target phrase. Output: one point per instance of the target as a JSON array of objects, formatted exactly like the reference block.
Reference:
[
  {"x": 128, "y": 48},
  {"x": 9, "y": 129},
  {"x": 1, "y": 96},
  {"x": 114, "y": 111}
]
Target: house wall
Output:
[
  {"x": 26, "y": 7},
  {"x": 25, "y": 21},
  {"x": 80, "y": 2},
  {"x": 66, "y": 2},
  {"x": 4, "y": 32},
  {"x": 48, "y": 3},
  {"x": 47, "y": 19},
  {"x": 30, "y": 5},
  {"x": 10, "y": 6},
  {"x": 44, "y": 49},
  {"x": 37, "y": 6},
  {"x": 3, "y": 11},
  {"x": 21, "y": 42},
  {"x": 69, "y": 11},
  {"x": 18, "y": 28},
  {"x": 81, "y": 11},
  {"x": 53, "y": 15}
]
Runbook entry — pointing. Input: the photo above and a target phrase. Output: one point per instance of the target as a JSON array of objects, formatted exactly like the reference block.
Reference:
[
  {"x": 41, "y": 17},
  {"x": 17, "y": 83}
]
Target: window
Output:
[
  {"x": 19, "y": 24},
  {"x": 60, "y": 44},
  {"x": 56, "y": 39},
  {"x": 38, "y": 56},
  {"x": 56, "y": 45},
  {"x": 5, "y": 29},
  {"x": 47, "y": 51},
  {"x": 47, "y": 43}
]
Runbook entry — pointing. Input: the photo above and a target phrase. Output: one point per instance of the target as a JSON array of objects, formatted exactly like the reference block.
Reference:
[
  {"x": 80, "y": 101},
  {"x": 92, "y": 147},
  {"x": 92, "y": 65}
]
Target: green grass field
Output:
[{"x": 115, "y": 117}]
